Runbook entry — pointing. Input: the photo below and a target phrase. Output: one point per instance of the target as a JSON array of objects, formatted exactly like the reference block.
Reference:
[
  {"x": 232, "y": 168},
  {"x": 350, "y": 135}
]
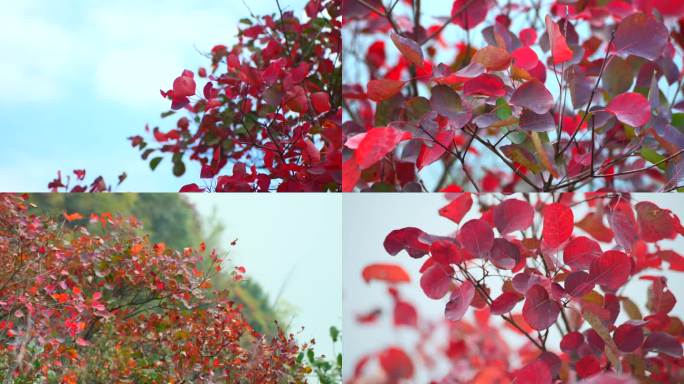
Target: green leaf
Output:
[
  {"x": 383, "y": 187},
  {"x": 631, "y": 309},
  {"x": 167, "y": 114},
  {"x": 155, "y": 162},
  {"x": 678, "y": 120},
  {"x": 334, "y": 334},
  {"x": 246, "y": 21},
  {"x": 386, "y": 111},
  {"x": 522, "y": 156},
  {"x": 503, "y": 110},
  {"x": 416, "y": 108},
  {"x": 178, "y": 168},
  {"x": 653, "y": 157},
  {"x": 610, "y": 347},
  {"x": 147, "y": 153}
]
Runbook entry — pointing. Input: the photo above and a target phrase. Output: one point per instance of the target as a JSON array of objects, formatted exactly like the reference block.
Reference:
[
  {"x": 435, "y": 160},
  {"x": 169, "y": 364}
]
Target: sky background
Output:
[
  {"x": 289, "y": 243},
  {"x": 80, "y": 76},
  {"x": 368, "y": 218}
]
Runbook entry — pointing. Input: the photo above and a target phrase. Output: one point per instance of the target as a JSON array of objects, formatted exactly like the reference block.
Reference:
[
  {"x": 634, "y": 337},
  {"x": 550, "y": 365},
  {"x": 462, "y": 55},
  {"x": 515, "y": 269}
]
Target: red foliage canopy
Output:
[
  {"x": 113, "y": 307},
  {"x": 567, "y": 281},
  {"x": 551, "y": 96}
]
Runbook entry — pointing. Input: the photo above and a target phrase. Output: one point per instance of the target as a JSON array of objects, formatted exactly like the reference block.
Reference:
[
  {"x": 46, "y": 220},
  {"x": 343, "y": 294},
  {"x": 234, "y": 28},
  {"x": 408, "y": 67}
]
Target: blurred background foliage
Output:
[{"x": 169, "y": 218}]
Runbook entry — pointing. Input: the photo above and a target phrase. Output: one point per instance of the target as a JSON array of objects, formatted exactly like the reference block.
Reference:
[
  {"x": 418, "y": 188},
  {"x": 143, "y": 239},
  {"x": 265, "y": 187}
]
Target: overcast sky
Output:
[
  {"x": 368, "y": 218},
  {"x": 80, "y": 76},
  {"x": 290, "y": 243}
]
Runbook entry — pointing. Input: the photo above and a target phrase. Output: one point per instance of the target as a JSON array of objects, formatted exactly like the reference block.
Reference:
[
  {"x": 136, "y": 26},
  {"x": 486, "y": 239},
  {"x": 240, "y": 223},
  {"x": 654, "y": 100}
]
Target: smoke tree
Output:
[
  {"x": 542, "y": 264},
  {"x": 263, "y": 115},
  {"x": 513, "y": 95},
  {"x": 115, "y": 307}
]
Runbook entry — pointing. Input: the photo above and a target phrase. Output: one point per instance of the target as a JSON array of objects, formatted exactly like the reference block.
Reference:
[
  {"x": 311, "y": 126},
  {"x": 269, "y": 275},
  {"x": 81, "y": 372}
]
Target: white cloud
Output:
[
  {"x": 143, "y": 51},
  {"x": 121, "y": 51}
]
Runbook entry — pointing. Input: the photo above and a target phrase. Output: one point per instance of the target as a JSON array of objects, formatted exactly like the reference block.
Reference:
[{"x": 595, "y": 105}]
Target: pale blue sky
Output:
[
  {"x": 79, "y": 77},
  {"x": 290, "y": 244}
]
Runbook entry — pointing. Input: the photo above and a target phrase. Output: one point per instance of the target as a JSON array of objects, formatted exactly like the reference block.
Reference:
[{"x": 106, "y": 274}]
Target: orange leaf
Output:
[
  {"x": 493, "y": 58},
  {"x": 379, "y": 90},
  {"x": 559, "y": 47},
  {"x": 136, "y": 248},
  {"x": 73, "y": 216}
]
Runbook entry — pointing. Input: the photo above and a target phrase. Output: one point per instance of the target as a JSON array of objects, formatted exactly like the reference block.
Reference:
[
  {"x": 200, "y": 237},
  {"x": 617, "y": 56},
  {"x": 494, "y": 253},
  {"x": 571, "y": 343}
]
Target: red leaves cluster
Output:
[
  {"x": 499, "y": 127},
  {"x": 563, "y": 274},
  {"x": 268, "y": 109},
  {"x": 89, "y": 304}
]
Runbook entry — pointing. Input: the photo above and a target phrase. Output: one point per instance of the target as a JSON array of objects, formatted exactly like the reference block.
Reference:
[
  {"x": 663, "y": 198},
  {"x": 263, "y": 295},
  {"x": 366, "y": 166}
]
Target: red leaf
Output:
[
  {"x": 571, "y": 341},
  {"x": 446, "y": 252},
  {"x": 505, "y": 303},
  {"x": 376, "y": 54},
  {"x": 559, "y": 47},
  {"x": 504, "y": 254},
  {"x": 320, "y": 102},
  {"x": 662, "y": 342},
  {"x": 622, "y": 222},
  {"x": 655, "y": 223},
  {"x": 558, "y": 225},
  {"x": 350, "y": 174},
  {"x": 628, "y": 337},
  {"x": 534, "y": 122},
  {"x": 534, "y": 96},
  {"x": 630, "y": 38},
  {"x": 525, "y": 58},
  {"x": 513, "y": 215},
  {"x": 476, "y": 236},
  {"x": 577, "y": 284},
  {"x": 485, "y": 84},
  {"x": 469, "y": 13},
  {"x": 295, "y": 99},
  {"x": 457, "y": 208},
  {"x": 630, "y": 108},
  {"x": 611, "y": 270},
  {"x": 184, "y": 85},
  {"x": 370, "y": 317},
  {"x": 587, "y": 366},
  {"x": 436, "y": 281},
  {"x": 459, "y": 301},
  {"x": 407, "y": 239},
  {"x": 592, "y": 223},
  {"x": 580, "y": 252},
  {"x": 191, "y": 188},
  {"x": 405, "y": 314},
  {"x": 429, "y": 155},
  {"x": 391, "y": 273},
  {"x": 408, "y": 48},
  {"x": 377, "y": 143},
  {"x": 660, "y": 299},
  {"x": 539, "y": 310},
  {"x": 379, "y": 90},
  {"x": 528, "y": 36},
  {"x": 396, "y": 364},
  {"x": 524, "y": 280},
  {"x": 537, "y": 372}
]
